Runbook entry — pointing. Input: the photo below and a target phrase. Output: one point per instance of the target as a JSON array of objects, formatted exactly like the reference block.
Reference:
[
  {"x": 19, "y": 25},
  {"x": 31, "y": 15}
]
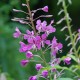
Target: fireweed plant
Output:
[{"x": 37, "y": 40}]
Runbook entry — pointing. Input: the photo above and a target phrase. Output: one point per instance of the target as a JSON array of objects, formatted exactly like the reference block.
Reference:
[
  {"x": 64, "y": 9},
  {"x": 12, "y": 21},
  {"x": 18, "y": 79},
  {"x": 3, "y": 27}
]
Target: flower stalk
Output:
[
  {"x": 69, "y": 28},
  {"x": 31, "y": 17}
]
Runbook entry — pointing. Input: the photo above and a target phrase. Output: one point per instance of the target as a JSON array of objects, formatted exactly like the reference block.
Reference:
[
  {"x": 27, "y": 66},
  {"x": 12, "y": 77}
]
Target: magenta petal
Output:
[
  {"x": 22, "y": 44},
  {"x": 38, "y": 22},
  {"x": 38, "y": 38},
  {"x": 25, "y": 47},
  {"x": 20, "y": 50},
  {"x": 44, "y": 36},
  {"x": 54, "y": 52},
  {"x": 60, "y": 46},
  {"x": 38, "y": 46},
  {"x": 51, "y": 29},
  {"x": 38, "y": 42},
  {"x": 25, "y": 36},
  {"x": 55, "y": 46},
  {"x": 54, "y": 41},
  {"x": 17, "y": 30},
  {"x": 30, "y": 40},
  {"x": 47, "y": 42},
  {"x": 28, "y": 32},
  {"x": 29, "y": 47},
  {"x": 24, "y": 62},
  {"x": 38, "y": 26},
  {"x": 44, "y": 23},
  {"x": 16, "y": 35},
  {"x": 45, "y": 73},
  {"x": 44, "y": 28}
]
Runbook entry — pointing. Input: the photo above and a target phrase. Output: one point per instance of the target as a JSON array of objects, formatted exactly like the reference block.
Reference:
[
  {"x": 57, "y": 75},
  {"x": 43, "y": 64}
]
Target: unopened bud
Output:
[
  {"x": 49, "y": 15},
  {"x": 15, "y": 10},
  {"x": 24, "y": 5}
]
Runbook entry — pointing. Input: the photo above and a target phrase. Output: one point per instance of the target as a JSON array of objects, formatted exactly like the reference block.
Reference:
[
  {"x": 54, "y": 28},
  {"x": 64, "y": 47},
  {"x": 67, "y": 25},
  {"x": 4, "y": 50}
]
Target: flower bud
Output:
[
  {"x": 29, "y": 55},
  {"x": 38, "y": 66},
  {"x": 45, "y": 73},
  {"x": 24, "y": 62},
  {"x": 33, "y": 78},
  {"x": 67, "y": 60},
  {"x": 17, "y": 34},
  {"x": 45, "y": 9}
]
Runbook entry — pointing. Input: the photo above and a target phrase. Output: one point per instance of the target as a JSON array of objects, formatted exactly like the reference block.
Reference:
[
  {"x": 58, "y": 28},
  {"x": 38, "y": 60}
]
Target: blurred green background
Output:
[{"x": 9, "y": 54}]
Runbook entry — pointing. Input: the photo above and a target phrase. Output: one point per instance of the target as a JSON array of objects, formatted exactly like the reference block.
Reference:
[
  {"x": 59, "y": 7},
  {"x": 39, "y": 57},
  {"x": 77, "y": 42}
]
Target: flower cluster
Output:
[{"x": 37, "y": 39}]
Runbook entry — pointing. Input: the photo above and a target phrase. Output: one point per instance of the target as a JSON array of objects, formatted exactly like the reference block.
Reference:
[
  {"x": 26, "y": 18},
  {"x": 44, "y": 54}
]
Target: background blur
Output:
[{"x": 9, "y": 54}]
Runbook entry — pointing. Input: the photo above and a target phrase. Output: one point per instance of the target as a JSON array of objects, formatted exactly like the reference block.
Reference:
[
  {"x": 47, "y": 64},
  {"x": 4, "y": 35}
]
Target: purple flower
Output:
[
  {"x": 42, "y": 27},
  {"x": 29, "y": 36},
  {"x": 24, "y": 47},
  {"x": 48, "y": 29},
  {"x": 40, "y": 24},
  {"x": 29, "y": 54},
  {"x": 33, "y": 78},
  {"x": 45, "y": 73},
  {"x": 38, "y": 42},
  {"x": 38, "y": 67},
  {"x": 44, "y": 40},
  {"x": 55, "y": 46},
  {"x": 45, "y": 8},
  {"x": 24, "y": 62},
  {"x": 35, "y": 43},
  {"x": 17, "y": 33},
  {"x": 67, "y": 60}
]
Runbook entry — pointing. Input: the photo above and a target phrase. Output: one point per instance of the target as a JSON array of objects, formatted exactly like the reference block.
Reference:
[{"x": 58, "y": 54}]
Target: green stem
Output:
[
  {"x": 70, "y": 32},
  {"x": 69, "y": 28},
  {"x": 42, "y": 53},
  {"x": 36, "y": 61}
]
